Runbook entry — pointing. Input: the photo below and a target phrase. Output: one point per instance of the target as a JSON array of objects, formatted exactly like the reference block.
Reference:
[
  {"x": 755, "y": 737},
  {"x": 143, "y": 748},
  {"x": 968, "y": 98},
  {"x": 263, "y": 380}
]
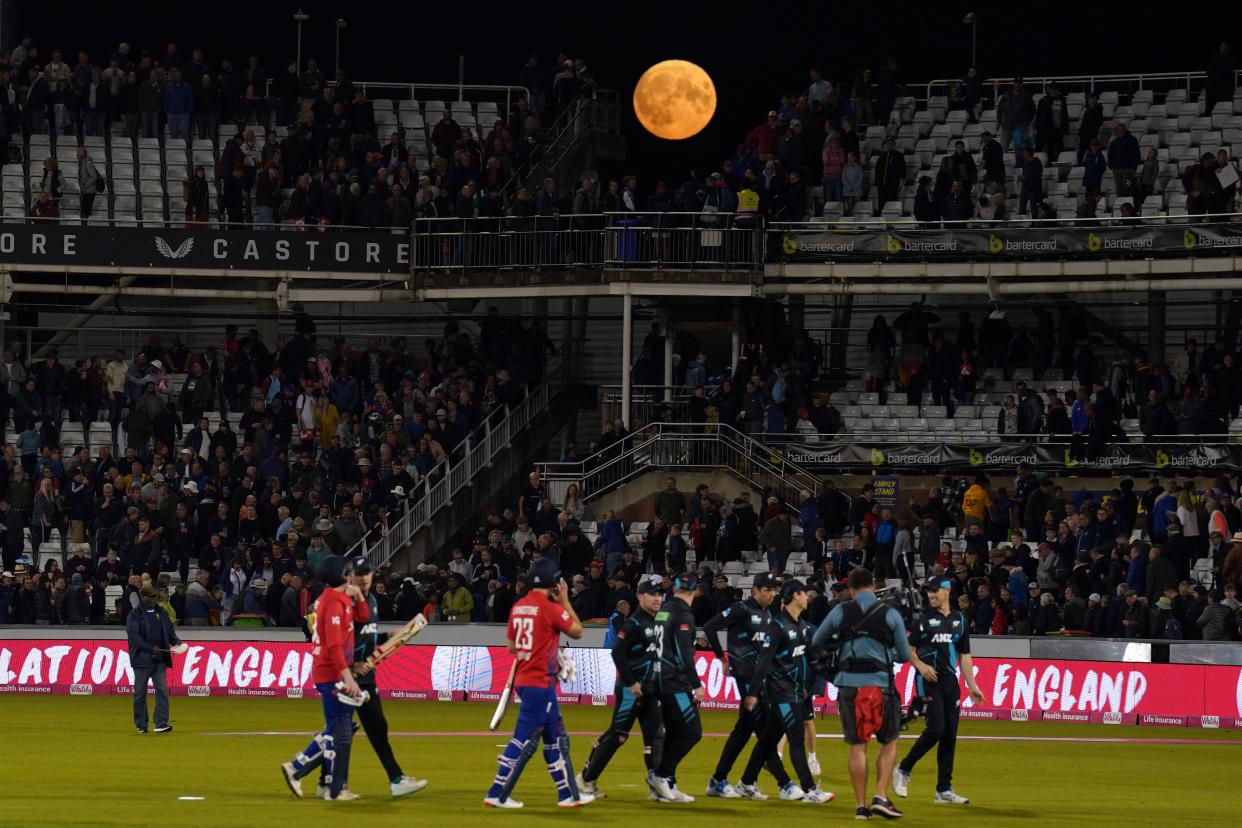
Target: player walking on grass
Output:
[
  {"x": 366, "y": 638},
  {"x": 330, "y": 671},
  {"x": 680, "y": 688},
  {"x": 745, "y": 624},
  {"x": 941, "y": 642},
  {"x": 535, "y": 624},
  {"x": 636, "y": 656},
  {"x": 873, "y": 637},
  {"x": 780, "y": 680}
]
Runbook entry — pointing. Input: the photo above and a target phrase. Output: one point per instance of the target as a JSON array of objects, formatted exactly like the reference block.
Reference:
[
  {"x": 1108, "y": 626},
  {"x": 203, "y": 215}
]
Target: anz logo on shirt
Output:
[
  {"x": 942, "y": 638},
  {"x": 370, "y": 629}
]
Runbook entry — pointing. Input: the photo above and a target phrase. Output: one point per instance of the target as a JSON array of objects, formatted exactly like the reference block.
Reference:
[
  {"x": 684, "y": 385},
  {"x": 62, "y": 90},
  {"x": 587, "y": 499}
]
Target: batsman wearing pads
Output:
[{"x": 535, "y": 625}]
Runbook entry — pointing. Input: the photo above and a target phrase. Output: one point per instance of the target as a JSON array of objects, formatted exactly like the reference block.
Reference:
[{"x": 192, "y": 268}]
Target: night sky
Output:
[{"x": 753, "y": 51}]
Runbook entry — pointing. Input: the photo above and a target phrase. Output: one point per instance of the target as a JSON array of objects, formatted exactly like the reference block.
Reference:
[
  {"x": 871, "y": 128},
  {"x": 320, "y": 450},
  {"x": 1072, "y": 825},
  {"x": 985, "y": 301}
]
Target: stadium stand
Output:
[{"x": 220, "y": 474}]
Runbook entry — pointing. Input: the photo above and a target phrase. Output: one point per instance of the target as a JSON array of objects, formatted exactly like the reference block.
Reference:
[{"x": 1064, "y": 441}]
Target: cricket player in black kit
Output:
[
  {"x": 366, "y": 638},
  {"x": 782, "y": 674},
  {"x": 745, "y": 624},
  {"x": 940, "y": 642},
  {"x": 680, "y": 688},
  {"x": 636, "y": 656}
]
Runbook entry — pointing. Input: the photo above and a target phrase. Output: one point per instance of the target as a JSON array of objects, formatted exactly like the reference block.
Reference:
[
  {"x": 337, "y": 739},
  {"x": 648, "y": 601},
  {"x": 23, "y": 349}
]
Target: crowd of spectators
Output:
[
  {"x": 305, "y": 148},
  {"x": 333, "y": 443},
  {"x": 1197, "y": 392},
  {"x": 1030, "y": 559}
]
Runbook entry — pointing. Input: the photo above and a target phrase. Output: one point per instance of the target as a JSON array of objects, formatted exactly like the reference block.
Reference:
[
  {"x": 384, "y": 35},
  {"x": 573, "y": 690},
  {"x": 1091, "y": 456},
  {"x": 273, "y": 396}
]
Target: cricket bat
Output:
[
  {"x": 503, "y": 704},
  {"x": 395, "y": 641}
]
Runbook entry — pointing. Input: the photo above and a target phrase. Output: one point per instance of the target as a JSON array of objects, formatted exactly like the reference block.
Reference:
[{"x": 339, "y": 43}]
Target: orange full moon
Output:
[{"x": 674, "y": 99}]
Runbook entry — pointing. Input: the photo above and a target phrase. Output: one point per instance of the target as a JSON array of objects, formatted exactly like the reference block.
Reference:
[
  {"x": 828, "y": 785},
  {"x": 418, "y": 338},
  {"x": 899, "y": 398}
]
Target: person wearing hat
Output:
[
  {"x": 1165, "y": 623},
  {"x": 332, "y": 674},
  {"x": 744, "y": 624},
  {"x": 781, "y": 678},
  {"x": 151, "y": 641},
  {"x": 635, "y": 655},
  {"x": 941, "y": 643},
  {"x": 536, "y": 622},
  {"x": 367, "y": 638}
]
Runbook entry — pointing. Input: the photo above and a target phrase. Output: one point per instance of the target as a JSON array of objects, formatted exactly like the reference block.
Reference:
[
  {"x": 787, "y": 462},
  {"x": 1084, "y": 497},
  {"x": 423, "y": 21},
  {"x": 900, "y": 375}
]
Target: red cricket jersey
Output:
[
  {"x": 535, "y": 626},
  {"x": 334, "y": 636}
]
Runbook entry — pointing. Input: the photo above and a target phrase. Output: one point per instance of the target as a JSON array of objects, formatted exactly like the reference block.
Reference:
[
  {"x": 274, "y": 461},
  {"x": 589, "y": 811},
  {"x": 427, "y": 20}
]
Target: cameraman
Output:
[
  {"x": 941, "y": 641},
  {"x": 873, "y": 637}
]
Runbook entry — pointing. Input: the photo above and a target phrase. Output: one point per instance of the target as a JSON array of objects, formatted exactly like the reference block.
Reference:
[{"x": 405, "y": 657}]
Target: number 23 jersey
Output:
[{"x": 535, "y": 626}]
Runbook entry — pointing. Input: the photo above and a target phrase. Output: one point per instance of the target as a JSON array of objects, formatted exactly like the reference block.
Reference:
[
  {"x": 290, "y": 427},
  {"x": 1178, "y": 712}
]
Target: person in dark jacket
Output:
[
  {"x": 1051, "y": 123},
  {"x": 889, "y": 172},
  {"x": 1031, "y": 187},
  {"x": 1123, "y": 157},
  {"x": 925, "y": 208},
  {"x": 957, "y": 205},
  {"x": 151, "y": 642},
  {"x": 1090, "y": 123},
  {"x": 993, "y": 155}
]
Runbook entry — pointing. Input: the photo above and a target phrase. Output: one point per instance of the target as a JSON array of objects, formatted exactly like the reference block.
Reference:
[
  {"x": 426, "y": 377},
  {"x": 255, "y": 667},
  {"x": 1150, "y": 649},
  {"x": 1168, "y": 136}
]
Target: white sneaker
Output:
[
  {"x": 582, "y": 799},
  {"x": 681, "y": 795},
  {"x": 722, "y": 789},
  {"x": 950, "y": 798},
  {"x": 662, "y": 787},
  {"x": 497, "y": 802},
  {"x": 589, "y": 787},
  {"x": 407, "y": 785},
  {"x": 901, "y": 783},
  {"x": 653, "y": 796},
  {"x": 322, "y": 792},
  {"x": 346, "y": 795},
  {"x": 812, "y": 762},
  {"x": 750, "y": 792},
  {"x": 792, "y": 793},
  {"x": 295, "y": 785},
  {"x": 818, "y": 795}
]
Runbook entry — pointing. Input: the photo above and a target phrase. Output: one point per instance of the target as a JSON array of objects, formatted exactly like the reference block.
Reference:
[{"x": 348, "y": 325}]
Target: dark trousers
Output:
[
  {"x": 371, "y": 715},
  {"x": 777, "y": 718},
  {"x": 645, "y": 710},
  {"x": 746, "y": 725},
  {"x": 941, "y": 731},
  {"x": 88, "y": 204},
  {"x": 156, "y": 674},
  {"x": 682, "y": 730}
]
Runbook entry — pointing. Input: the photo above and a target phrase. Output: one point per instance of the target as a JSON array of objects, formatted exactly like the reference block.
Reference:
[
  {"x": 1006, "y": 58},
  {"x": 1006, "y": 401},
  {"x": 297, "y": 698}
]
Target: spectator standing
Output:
[
  {"x": 1123, "y": 157},
  {"x": 89, "y": 181}
]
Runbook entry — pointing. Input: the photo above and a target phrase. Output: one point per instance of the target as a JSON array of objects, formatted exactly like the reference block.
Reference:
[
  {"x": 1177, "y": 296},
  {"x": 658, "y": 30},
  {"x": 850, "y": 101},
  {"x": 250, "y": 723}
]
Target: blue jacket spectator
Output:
[{"x": 178, "y": 98}]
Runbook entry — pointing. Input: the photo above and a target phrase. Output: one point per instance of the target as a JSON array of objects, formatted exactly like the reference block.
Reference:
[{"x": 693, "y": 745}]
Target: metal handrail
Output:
[
  {"x": 1020, "y": 223},
  {"x": 559, "y": 127},
  {"x": 482, "y": 446},
  {"x": 681, "y": 446},
  {"x": 1089, "y": 80},
  {"x": 619, "y": 241},
  {"x": 182, "y": 224}
]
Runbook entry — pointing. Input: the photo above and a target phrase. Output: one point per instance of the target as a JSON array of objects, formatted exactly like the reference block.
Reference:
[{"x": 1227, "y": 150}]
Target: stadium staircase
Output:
[
  {"x": 675, "y": 448},
  {"x": 496, "y": 452}
]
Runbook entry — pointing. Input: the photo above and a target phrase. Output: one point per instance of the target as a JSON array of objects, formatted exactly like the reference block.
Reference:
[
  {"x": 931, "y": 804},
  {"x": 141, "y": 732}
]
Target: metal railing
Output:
[
  {"x": 1082, "y": 83},
  {"x": 556, "y": 141},
  {"x": 448, "y": 478},
  {"x": 678, "y": 446},
  {"x": 180, "y": 222},
  {"x": 599, "y": 240}
]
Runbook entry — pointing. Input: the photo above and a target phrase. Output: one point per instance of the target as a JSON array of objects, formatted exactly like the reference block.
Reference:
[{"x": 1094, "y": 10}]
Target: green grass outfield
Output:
[{"x": 78, "y": 761}]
